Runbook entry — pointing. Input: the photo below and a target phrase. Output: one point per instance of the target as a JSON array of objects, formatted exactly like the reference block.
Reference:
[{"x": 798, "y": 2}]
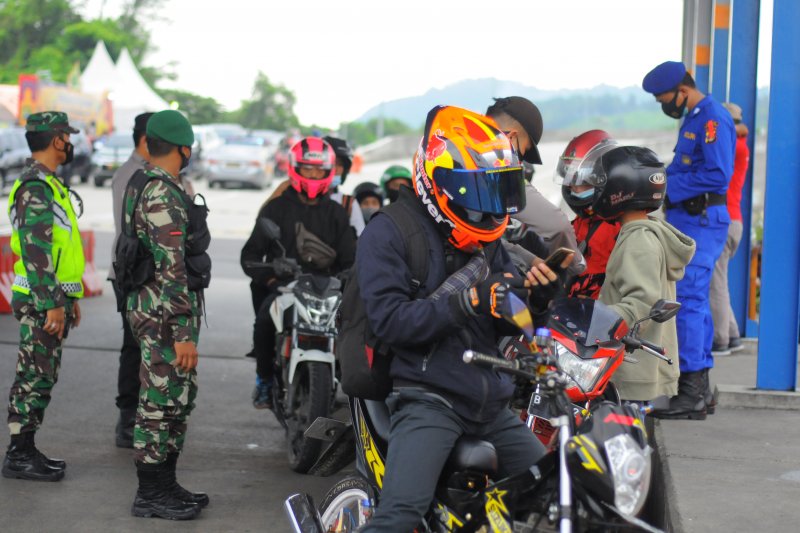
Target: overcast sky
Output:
[{"x": 342, "y": 57}]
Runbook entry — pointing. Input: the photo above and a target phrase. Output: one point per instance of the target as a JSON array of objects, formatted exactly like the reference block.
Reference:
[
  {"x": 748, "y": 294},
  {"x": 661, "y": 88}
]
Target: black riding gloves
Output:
[{"x": 487, "y": 297}]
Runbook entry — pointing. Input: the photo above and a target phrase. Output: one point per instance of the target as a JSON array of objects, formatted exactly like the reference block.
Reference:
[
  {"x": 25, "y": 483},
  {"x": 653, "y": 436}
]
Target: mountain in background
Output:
[{"x": 619, "y": 110}]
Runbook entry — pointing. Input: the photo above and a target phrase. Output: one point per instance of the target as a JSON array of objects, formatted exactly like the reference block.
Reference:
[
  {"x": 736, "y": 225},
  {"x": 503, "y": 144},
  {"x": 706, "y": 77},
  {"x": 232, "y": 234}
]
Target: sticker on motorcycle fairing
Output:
[
  {"x": 447, "y": 518},
  {"x": 371, "y": 455},
  {"x": 497, "y": 512},
  {"x": 586, "y": 449},
  {"x": 624, "y": 420}
]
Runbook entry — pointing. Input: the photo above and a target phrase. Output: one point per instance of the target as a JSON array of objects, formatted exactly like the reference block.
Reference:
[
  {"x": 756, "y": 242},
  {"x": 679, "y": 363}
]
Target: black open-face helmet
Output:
[
  {"x": 344, "y": 153},
  {"x": 627, "y": 178}
]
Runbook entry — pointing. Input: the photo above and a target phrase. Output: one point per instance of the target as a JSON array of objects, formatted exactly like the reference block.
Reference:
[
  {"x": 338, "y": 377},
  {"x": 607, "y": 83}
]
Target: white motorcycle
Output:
[{"x": 305, "y": 385}]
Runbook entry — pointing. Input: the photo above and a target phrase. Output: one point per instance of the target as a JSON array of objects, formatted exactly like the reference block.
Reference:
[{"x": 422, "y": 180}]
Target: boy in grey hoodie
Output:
[{"x": 647, "y": 260}]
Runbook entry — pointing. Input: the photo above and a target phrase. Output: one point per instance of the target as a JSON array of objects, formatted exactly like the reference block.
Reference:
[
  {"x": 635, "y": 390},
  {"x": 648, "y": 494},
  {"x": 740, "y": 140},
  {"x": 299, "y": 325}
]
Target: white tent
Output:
[
  {"x": 99, "y": 75},
  {"x": 131, "y": 94},
  {"x": 127, "y": 90}
]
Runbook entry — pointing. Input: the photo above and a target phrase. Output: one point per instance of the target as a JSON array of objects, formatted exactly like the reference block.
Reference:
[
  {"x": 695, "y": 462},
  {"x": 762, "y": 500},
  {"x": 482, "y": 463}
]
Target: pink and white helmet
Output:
[{"x": 315, "y": 152}]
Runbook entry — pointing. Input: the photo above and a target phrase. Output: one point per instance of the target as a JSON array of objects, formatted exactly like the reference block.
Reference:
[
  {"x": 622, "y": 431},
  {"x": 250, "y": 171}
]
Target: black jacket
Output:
[
  {"x": 428, "y": 337},
  {"x": 327, "y": 220}
]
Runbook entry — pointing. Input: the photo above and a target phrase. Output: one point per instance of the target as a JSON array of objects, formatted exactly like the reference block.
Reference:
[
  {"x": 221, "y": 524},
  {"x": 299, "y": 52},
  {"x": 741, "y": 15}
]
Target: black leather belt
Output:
[{"x": 700, "y": 201}]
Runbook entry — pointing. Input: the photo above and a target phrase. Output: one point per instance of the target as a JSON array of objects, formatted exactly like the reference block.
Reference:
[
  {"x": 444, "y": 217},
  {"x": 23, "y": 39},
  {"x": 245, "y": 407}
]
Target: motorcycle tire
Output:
[
  {"x": 342, "y": 503},
  {"x": 310, "y": 391}
]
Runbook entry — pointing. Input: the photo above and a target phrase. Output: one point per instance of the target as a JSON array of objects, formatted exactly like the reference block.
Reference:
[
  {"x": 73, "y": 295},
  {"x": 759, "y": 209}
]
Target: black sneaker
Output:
[
  {"x": 718, "y": 349},
  {"x": 736, "y": 345}
]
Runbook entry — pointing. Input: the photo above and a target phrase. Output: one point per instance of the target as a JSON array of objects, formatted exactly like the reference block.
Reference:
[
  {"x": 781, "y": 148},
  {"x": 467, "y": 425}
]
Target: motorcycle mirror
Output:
[
  {"x": 515, "y": 311},
  {"x": 664, "y": 310},
  {"x": 268, "y": 229},
  {"x": 302, "y": 514}
]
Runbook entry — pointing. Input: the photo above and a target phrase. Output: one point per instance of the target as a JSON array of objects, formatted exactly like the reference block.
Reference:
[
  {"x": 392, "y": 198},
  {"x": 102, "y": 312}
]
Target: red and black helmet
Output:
[{"x": 570, "y": 171}]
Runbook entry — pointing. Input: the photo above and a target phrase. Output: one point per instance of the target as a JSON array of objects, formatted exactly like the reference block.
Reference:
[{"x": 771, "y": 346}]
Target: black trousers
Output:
[
  {"x": 423, "y": 433},
  {"x": 130, "y": 361}
]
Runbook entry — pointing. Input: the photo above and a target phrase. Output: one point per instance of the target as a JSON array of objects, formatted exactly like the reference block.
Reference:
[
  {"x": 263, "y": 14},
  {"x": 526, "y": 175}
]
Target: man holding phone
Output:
[{"x": 521, "y": 121}]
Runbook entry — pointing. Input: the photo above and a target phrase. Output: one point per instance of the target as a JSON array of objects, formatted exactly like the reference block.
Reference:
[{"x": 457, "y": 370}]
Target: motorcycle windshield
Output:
[{"x": 587, "y": 321}]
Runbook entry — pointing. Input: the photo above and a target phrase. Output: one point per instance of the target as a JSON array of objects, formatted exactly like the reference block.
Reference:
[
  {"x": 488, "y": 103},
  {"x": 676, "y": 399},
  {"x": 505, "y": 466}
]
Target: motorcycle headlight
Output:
[
  {"x": 631, "y": 466},
  {"x": 319, "y": 311},
  {"x": 583, "y": 371}
]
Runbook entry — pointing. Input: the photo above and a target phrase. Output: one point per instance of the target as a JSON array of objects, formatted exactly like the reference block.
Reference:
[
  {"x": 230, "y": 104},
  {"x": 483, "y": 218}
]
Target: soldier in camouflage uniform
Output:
[
  {"x": 165, "y": 317},
  {"x": 46, "y": 289}
]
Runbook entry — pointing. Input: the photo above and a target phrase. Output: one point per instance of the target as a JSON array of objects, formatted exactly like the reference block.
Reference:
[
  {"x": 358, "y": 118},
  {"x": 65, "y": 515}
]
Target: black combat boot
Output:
[
  {"x": 154, "y": 499},
  {"x": 55, "y": 464},
  {"x": 708, "y": 395},
  {"x": 22, "y": 462},
  {"x": 200, "y": 498},
  {"x": 690, "y": 402},
  {"x": 125, "y": 425}
]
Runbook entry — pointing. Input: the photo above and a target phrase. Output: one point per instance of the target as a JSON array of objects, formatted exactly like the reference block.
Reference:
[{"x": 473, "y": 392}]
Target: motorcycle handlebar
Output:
[
  {"x": 471, "y": 357},
  {"x": 634, "y": 343}
]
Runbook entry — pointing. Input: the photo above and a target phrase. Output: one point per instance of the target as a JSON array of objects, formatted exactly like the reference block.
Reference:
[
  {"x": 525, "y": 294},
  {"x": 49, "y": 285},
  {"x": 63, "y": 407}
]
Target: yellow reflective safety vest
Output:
[{"x": 67, "y": 252}]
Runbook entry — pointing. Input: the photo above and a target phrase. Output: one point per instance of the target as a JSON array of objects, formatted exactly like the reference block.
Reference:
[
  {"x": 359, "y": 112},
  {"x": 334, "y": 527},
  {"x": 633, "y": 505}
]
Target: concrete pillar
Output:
[{"x": 780, "y": 273}]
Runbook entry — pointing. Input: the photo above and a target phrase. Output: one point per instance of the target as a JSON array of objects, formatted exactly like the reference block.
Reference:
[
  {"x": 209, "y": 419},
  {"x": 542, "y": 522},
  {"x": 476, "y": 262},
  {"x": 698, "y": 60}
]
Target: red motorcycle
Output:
[{"x": 590, "y": 341}]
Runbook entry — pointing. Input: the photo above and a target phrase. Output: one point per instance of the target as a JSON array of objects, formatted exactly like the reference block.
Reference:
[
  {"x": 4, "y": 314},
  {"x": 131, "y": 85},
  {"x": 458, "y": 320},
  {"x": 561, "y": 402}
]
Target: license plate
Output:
[
  {"x": 232, "y": 165},
  {"x": 540, "y": 405}
]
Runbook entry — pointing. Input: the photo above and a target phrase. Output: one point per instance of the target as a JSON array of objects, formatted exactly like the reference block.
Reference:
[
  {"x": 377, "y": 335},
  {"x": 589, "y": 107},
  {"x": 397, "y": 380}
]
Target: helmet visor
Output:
[
  {"x": 577, "y": 171},
  {"x": 496, "y": 191}
]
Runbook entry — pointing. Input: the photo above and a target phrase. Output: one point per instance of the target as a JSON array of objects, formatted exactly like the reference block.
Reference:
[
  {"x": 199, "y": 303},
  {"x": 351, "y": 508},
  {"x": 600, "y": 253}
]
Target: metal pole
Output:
[
  {"x": 719, "y": 50},
  {"x": 687, "y": 49},
  {"x": 702, "y": 53},
  {"x": 780, "y": 273},
  {"x": 743, "y": 92}
]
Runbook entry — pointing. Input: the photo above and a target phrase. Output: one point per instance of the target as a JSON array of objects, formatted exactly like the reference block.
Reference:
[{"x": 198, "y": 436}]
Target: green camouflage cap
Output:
[
  {"x": 170, "y": 126},
  {"x": 49, "y": 121}
]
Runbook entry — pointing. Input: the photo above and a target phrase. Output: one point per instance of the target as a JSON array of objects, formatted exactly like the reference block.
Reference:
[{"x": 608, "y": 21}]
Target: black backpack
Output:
[{"x": 365, "y": 360}]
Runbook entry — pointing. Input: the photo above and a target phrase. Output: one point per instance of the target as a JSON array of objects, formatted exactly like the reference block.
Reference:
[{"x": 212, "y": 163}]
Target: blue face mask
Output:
[
  {"x": 337, "y": 180},
  {"x": 585, "y": 195}
]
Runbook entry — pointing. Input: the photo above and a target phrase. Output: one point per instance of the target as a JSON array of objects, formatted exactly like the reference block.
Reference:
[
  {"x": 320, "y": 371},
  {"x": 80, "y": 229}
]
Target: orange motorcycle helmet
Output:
[{"x": 467, "y": 176}]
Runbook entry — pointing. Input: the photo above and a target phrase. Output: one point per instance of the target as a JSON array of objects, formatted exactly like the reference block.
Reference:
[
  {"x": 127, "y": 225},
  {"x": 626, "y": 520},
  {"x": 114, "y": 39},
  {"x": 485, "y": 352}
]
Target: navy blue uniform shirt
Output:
[{"x": 703, "y": 161}]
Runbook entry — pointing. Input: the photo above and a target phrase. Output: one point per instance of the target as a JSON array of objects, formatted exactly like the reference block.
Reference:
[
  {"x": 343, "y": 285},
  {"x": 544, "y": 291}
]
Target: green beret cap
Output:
[{"x": 170, "y": 126}]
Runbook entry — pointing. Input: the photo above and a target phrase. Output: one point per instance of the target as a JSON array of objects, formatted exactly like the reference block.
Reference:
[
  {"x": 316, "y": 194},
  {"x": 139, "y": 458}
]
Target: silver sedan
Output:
[{"x": 243, "y": 161}]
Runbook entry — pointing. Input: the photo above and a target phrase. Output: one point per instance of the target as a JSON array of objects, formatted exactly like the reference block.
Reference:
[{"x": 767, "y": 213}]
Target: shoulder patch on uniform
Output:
[{"x": 711, "y": 131}]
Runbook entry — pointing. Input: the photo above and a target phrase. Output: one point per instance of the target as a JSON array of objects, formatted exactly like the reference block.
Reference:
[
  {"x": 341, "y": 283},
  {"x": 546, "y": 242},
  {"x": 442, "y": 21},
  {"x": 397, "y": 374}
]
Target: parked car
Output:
[
  {"x": 13, "y": 153},
  {"x": 227, "y": 131},
  {"x": 245, "y": 161},
  {"x": 115, "y": 151},
  {"x": 206, "y": 139},
  {"x": 81, "y": 165}
]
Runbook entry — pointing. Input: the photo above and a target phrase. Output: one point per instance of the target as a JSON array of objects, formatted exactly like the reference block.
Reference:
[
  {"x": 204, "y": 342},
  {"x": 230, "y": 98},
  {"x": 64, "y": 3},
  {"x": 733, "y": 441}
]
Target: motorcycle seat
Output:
[
  {"x": 469, "y": 453},
  {"x": 473, "y": 454}
]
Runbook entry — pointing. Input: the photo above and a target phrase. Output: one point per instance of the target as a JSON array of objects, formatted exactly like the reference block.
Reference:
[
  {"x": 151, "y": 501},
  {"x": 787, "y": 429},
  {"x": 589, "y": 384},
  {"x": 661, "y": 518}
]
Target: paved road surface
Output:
[{"x": 233, "y": 452}]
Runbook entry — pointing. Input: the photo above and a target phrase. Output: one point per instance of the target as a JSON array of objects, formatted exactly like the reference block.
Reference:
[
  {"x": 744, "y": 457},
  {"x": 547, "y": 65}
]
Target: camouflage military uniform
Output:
[
  {"x": 39, "y": 357},
  {"x": 161, "y": 313}
]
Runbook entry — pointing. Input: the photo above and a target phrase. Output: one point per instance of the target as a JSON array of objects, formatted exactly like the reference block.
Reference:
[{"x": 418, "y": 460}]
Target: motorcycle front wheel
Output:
[
  {"x": 310, "y": 394},
  {"x": 343, "y": 507}
]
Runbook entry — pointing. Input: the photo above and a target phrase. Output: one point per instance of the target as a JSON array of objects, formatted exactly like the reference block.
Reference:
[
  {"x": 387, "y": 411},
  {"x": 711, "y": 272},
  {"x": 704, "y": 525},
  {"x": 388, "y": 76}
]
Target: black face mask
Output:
[
  {"x": 69, "y": 152},
  {"x": 672, "y": 109},
  {"x": 184, "y": 159},
  {"x": 393, "y": 195}
]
